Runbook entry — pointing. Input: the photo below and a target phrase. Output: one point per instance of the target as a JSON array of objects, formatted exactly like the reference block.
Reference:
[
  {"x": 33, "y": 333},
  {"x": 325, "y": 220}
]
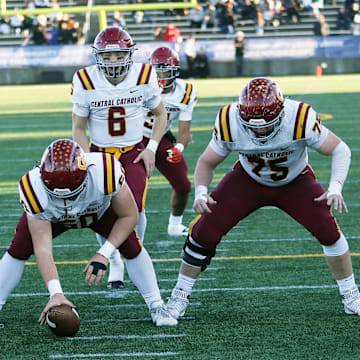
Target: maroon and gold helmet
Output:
[
  {"x": 167, "y": 65},
  {"x": 261, "y": 108},
  {"x": 63, "y": 169},
  {"x": 114, "y": 39}
]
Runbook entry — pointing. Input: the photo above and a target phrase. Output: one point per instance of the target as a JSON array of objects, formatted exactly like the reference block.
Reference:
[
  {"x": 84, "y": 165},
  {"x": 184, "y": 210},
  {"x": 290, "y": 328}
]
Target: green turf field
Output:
[{"x": 267, "y": 294}]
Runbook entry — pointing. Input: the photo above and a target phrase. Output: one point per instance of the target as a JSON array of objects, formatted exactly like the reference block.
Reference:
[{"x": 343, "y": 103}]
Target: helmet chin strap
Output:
[{"x": 263, "y": 140}]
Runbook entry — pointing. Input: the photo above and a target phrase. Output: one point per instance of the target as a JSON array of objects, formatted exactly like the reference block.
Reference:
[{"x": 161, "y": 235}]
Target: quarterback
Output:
[
  {"x": 109, "y": 98},
  {"x": 179, "y": 99},
  {"x": 271, "y": 135},
  {"x": 71, "y": 189}
]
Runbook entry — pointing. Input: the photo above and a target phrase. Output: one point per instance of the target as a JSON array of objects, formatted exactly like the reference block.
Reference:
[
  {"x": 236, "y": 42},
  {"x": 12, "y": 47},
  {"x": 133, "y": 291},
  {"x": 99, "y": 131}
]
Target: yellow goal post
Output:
[{"x": 100, "y": 9}]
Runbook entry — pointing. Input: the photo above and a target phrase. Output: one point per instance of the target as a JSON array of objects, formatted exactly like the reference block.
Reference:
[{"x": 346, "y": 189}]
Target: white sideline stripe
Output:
[
  {"x": 134, "y": 305},
  {"x": 264, "y": 240},
  {"x": 174, "y": 280},
  {"x": 222, "y": 241},
  {"x": 127, "y": 320},
  {"x": 126, "y": 337},
  {"x": 274, "y": 240},
  {"x": 18, "y": 214},
  {"x": 178, "y": 251},
  {"x": 125, "y": 292},
  {"x": 116, "y": 355},
  {"x": 177, "y": 269},
  {"x": 271, "y": 288}
]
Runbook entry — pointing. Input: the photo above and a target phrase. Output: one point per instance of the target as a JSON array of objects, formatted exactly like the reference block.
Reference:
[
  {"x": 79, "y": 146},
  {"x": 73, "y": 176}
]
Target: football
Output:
[{"x": 63, "y": 320}]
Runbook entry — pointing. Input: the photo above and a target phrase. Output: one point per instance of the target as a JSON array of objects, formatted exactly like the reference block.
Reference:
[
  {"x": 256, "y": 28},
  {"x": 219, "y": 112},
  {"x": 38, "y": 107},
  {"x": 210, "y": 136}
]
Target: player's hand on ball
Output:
[{"x": 55, "y": 300}]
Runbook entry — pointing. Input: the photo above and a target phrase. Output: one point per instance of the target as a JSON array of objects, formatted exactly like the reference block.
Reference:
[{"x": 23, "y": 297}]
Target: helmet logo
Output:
[
  {"x": 111, "y": 46},
  {"x": 257, "y": 121},
  {"x": 279, "y": 95},
  {"x": 82, "y": 162}
]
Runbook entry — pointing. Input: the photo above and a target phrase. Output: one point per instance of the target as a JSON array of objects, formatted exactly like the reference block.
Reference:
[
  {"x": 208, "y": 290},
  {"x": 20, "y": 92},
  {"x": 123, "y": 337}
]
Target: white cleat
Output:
[
  {"x": 177, "y": 230},
  {"x": 161, "y": 316},
  {"x": 178, "y": 303},
  {"x": 351, "y": 301}
]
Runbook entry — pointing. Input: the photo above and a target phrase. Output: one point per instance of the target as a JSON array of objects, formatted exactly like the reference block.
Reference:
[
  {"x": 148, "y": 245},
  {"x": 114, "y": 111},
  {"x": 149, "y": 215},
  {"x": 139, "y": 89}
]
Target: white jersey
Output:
[
  {"x": 282, "y": 158},
  {"x": 178, "y": 103},
  {"x": 105, "y": 177},
  {"x": 115, "y": 113}
]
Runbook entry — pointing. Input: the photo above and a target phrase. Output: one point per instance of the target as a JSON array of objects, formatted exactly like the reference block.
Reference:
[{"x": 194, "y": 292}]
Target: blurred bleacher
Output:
[{"x": 144, "y": 31}]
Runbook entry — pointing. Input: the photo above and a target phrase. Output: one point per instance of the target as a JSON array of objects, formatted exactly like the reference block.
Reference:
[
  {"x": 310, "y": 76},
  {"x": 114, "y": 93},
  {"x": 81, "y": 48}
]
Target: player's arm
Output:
[
  {"x": 41, "y": 235},
  {"x": 204, "y": 173},
  {"x": 340, "y": 164},
  {"x": 159, "y": 122},
  {"x": 184, "y": 136},
  {"x": 79, "y": 131},
  {"x": 125, "y": 208},
  {"x": 148, "y": 155}
]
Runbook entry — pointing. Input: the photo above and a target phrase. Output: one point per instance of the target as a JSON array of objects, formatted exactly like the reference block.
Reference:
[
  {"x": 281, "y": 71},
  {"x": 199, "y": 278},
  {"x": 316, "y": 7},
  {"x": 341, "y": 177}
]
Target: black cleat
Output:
[{"x": 115, "y": 285}]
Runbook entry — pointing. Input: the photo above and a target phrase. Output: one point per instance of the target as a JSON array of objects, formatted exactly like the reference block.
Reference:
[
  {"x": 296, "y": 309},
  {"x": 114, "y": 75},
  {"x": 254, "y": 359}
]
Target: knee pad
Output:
[{"x": 196, "y": 255}]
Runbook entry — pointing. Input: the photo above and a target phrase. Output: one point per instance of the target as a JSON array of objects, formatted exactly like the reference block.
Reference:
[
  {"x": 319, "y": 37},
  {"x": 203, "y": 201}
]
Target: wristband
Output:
[
  {"x": 335, "y": 188},
  {"x": 107, "y": 249},
  {"x": 201, "y": 192},
  {"x": 180, "y": 147},
  {"x": 152, "y": 145},
  {"x": 54, "y": 287}
]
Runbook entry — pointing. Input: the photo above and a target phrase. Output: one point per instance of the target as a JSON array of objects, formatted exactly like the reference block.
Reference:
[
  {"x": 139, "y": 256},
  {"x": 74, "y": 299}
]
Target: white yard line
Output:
[
  {"x": 126, "y": 337},
  {"x": 112, "y": 355},
  {"x": 128, "y": 320},
  {"x": 134, "y": 305},
  {"x": 125, "y": 292},
  {"x": 222, "y": 241}
]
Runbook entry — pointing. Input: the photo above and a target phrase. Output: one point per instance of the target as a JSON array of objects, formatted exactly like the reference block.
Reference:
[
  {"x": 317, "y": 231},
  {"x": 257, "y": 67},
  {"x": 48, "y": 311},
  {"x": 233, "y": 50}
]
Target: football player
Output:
[
  {"x": 271, "y": 135},
  {"x": 179, "y": 99},
  {"x": 71, "y": 189},
  {"x": 109, "y": 98}
]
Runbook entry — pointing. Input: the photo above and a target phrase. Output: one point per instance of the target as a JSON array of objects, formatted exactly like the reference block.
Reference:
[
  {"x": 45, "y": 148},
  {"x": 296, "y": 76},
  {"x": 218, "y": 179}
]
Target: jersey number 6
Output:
[{"x": 116, "y": 121}]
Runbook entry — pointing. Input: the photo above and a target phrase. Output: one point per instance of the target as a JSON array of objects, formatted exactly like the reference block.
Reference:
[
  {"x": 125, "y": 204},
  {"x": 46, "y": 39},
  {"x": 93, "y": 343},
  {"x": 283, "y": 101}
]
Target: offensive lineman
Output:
[
  {"x": 109, "y": 98},
  {"x": 179, "y": 99},
  {"x": 71, "y": 189},
  {"x": 271, "y": 135}
]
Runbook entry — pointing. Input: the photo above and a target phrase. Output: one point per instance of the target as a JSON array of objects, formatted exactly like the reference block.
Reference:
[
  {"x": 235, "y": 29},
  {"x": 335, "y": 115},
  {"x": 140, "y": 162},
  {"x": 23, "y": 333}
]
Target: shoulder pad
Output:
[
  {"x": 300, "y": 121},
  {"x": 187, "y": 95},
  {"x": 85, "y": 79},
  {"x": 109, "y": 173},
  {"x": 224, "y": 124},
  {"x": 144, "y": 75},
  {"x": 32, "y": 204}
]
